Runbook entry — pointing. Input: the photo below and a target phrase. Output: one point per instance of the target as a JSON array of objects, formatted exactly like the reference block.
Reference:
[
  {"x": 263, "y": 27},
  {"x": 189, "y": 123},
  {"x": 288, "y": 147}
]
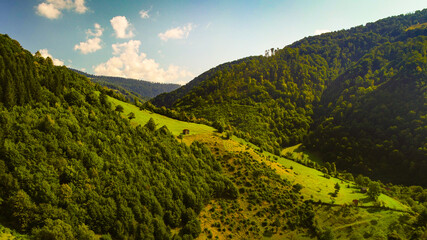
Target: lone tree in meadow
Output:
[
  {"x": 119, "y": 108},
  {"x": 131, "y": 115},
  {"x": 374, "y": 190},
  {"x": 337, "y": 187}
]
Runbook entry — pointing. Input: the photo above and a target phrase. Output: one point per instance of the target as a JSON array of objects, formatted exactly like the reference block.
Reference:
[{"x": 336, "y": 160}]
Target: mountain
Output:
[
  {"x": 139, "y": 88},
  {"x": 77, "y": 162},
  {"x": 372, "y": 118},
  {"x": 280, "y": 100},
  {"x": 71, "y": 166}
]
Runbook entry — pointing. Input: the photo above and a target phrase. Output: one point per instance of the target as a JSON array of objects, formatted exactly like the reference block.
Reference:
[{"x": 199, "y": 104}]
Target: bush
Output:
[{"x": 191, "y": 228}]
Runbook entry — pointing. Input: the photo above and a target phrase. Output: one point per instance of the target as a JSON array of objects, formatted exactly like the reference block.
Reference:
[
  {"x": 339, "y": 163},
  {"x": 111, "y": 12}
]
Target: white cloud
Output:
[
  {"x": 98, "y": 31},
  {"x": 130, "y": 63},
  {"x": 144, "y": 14},
  {"x": 45, "y": 54},
  {"x": 80, "y": 6},
  {"x": 121, "y": 26},
  {"x": 320, "y": 31},
  {"x": 90, "y": 46},
  {"x": 176, "y": 33},
  {"x": 48, "y": 10},
  {"x": 208, "y": 25},
  {"x": 52, "y": 9}
]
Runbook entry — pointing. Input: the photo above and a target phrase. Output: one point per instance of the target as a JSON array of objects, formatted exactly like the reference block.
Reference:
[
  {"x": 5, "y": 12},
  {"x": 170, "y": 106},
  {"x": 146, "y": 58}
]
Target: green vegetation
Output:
[
  {"x": 371, "y": 118},
  {"x": 131, "y": 87},
  {"x": 71, "y": 166},
  {"x": 357, "y": 97},
  {"x": 79, "y": 161},
  {"x": 175, "y": 126}
]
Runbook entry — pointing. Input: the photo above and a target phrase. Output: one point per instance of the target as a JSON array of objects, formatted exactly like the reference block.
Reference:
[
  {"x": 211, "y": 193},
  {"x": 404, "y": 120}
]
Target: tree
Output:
[
  {"x": 326, "y": 234},
  {"x": 9, "y": 90},
  {"x": 55, "y": 230},
  {"x": 151, "y": 125},
  {"x": 22, "y": 208},
  {"x": 131, "y": 115},
  {"x": 84, "y": 233},
  {"x": 193, "y": 228},
  {"x": 333, "y": 169},
  {"x": 337, "y": 187},
  {"x": 119, "y": 108},
  {"x": 329, "y": 167},
  {"x": 374, "y": 190},
  {"x": 228, "y": 134},
  {"x": 362, "y": 181},
  {"x": 297, "y": 187}
]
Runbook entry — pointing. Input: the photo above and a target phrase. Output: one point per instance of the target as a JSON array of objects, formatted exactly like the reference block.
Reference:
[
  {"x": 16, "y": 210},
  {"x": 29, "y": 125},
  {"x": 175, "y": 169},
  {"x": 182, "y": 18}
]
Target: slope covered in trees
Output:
[
  {"x": 374, "y": 115},
  {"x": 275, "y": 101},
  {"x": 144, "y": 89},
  {"x": 70, "y": 166}
]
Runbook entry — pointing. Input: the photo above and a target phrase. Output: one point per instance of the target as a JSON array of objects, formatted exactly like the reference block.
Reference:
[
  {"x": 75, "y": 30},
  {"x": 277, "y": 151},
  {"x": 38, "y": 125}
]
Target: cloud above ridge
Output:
[
  {"x": 321, "y": 31},
  {"x": 128, "y": 62},
  {"x": 45, "y": 53}
]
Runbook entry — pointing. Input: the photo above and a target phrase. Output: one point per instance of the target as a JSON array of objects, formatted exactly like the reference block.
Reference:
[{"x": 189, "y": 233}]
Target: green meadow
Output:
[
  {"x": 175, "y": 126},
  {"x": 318, "y": 187}
]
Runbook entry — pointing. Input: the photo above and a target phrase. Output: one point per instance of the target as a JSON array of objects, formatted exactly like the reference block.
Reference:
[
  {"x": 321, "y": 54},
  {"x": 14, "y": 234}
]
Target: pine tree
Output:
[{"x": 9, "y": 90}]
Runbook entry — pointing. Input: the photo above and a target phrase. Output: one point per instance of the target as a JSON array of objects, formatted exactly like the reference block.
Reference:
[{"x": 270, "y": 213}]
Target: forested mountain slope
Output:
[
  {"x": 373, "y": 117},
  {"x": 71, "y": 166},
  {"x": 144, "y": 89},
  {"x": 272, "y": 100}
]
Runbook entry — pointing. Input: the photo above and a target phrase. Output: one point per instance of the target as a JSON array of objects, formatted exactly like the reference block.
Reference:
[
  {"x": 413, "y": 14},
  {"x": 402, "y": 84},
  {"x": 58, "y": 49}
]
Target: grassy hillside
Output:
[
  {"x": 175, "y": 126},
  {"x": 322, "y": 90},
  {"x": 250, "y": 216}
]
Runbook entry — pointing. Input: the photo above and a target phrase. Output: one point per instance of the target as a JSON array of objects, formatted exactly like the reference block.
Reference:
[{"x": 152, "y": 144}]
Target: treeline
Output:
[
  {"x": 71, "y": 167},
  {"x": 276, "y": 101},
  {"x": 129, "y": 87}
]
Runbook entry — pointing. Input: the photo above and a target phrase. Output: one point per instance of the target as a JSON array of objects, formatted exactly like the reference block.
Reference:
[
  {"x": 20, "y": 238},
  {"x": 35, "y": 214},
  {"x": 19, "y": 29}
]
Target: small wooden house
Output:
[
  {"x": 355, "y": 202},
  {"x": 185, "y": 131},
  {"x": 363, "y": 190}
]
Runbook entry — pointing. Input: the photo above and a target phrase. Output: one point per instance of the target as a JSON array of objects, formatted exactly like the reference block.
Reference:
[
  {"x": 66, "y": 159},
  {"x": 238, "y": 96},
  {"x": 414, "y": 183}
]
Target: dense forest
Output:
[
  {"x": 70, "y": 166},
  {"x": 73, "y": 166},
  {"x": 131, "y": 87},
  {"x": 362, "y": 89},
  {"x": 372, "y": 119}
]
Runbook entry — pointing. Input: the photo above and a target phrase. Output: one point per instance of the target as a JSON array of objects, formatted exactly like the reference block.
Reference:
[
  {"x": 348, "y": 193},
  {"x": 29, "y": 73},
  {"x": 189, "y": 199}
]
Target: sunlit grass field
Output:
[{"x": 175, "y": 126}]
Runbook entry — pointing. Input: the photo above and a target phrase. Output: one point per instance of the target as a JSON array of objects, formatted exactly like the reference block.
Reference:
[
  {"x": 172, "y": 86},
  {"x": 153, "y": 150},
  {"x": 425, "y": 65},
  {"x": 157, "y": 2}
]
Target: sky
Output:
[{"x": 175, "y": 41}]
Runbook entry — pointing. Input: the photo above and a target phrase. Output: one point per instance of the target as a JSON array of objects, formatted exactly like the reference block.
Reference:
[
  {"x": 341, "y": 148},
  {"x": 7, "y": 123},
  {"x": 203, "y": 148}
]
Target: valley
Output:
[
  {"x": 325, "y": 138},
  {"x": 336, "y": 213}
]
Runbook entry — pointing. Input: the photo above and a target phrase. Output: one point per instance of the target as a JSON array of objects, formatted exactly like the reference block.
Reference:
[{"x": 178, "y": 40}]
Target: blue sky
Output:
[{"x": 174, "y": 41}]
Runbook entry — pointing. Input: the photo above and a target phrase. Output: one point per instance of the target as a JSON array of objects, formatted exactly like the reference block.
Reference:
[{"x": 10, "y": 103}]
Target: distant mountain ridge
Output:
[
  {"x": 291, "y": 97},
  {"x": 144, "y": 89}
]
